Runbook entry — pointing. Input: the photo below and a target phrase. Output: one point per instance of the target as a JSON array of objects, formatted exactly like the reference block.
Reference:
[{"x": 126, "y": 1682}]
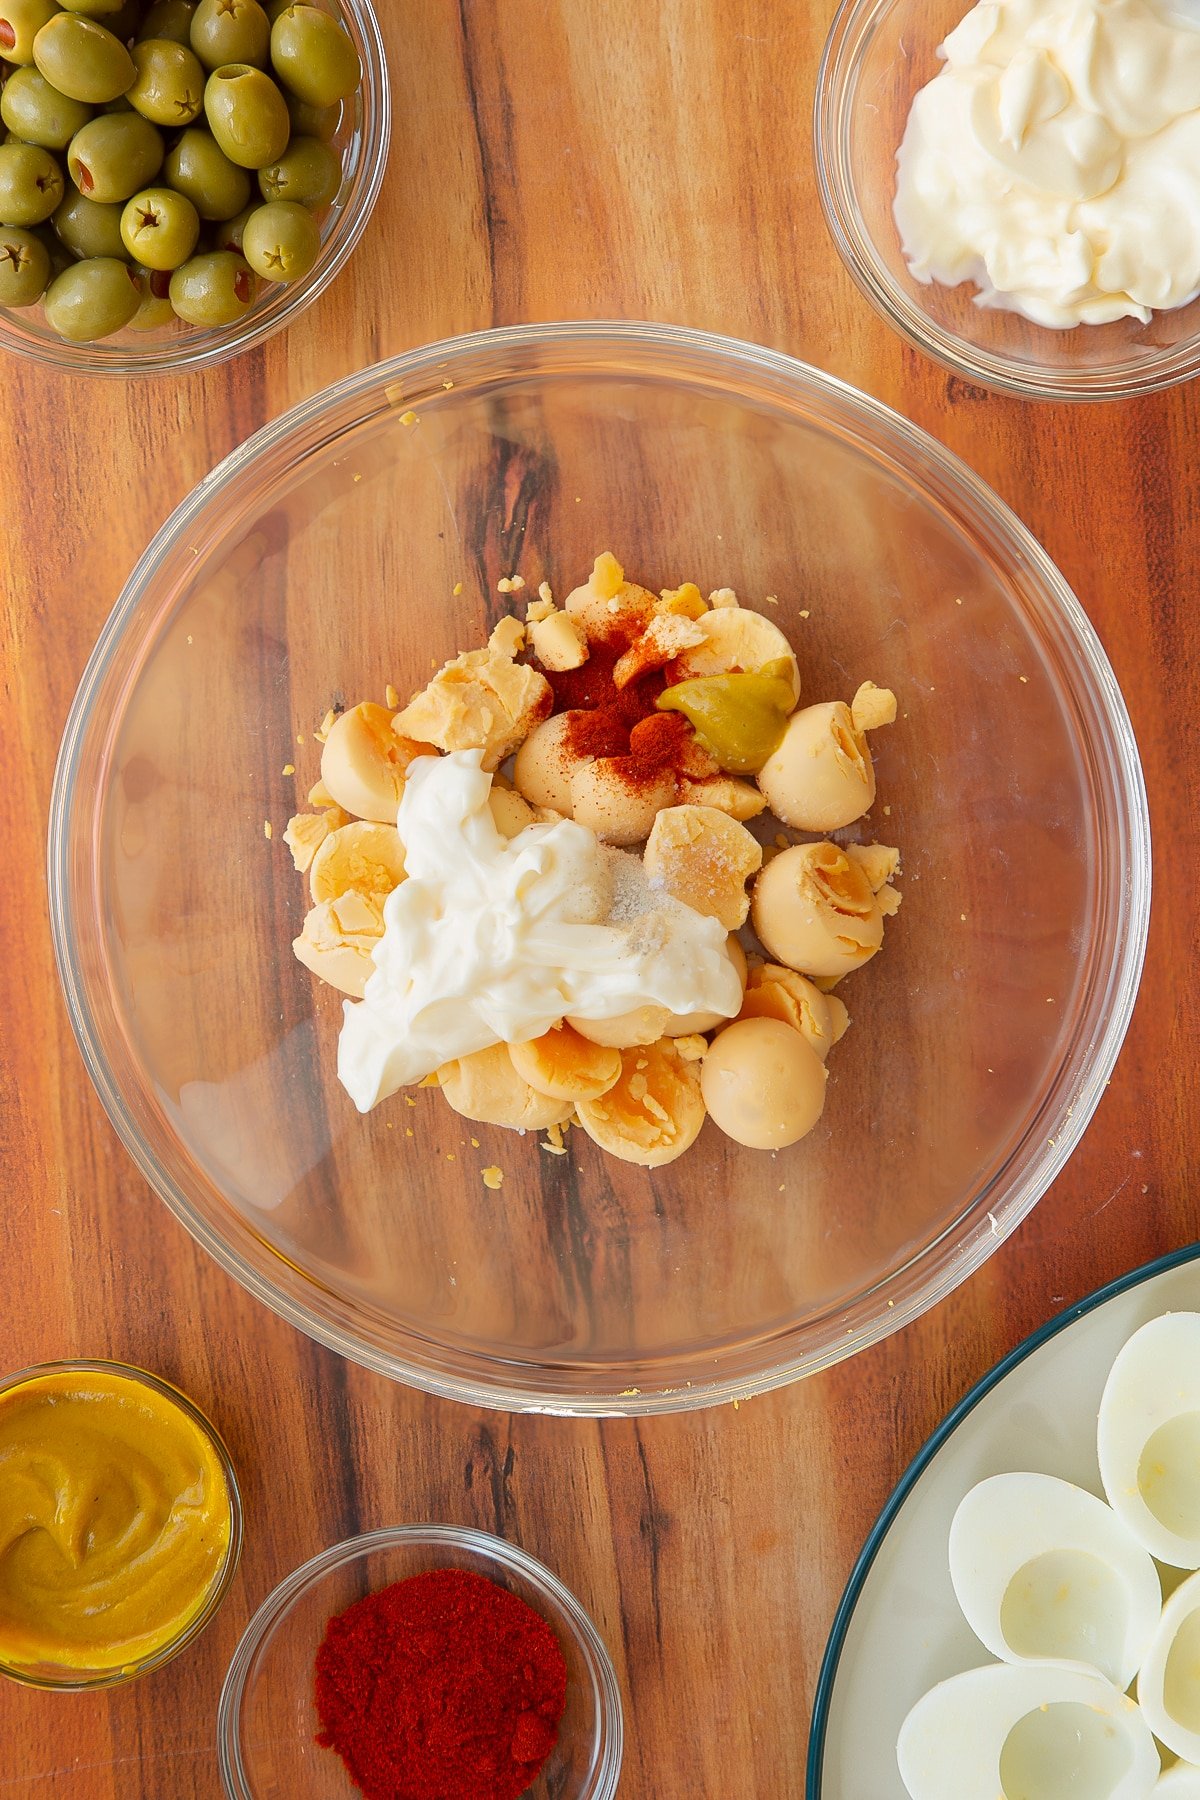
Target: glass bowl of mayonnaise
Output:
[
  {"x": 122, "y": 1523},
  {"x": 360, "y": 545},
  {"x": 1015, "y": 185}
]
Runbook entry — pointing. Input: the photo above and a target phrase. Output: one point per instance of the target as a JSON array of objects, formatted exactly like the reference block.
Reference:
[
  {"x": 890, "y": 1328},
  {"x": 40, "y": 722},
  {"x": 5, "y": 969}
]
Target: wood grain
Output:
[{"x": 557, "y": 158}]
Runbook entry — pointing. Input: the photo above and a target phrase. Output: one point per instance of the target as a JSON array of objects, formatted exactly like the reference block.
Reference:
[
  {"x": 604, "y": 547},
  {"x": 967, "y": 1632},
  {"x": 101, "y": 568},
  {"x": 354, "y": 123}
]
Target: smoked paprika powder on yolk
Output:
[{"x": 441, "y": 1687}]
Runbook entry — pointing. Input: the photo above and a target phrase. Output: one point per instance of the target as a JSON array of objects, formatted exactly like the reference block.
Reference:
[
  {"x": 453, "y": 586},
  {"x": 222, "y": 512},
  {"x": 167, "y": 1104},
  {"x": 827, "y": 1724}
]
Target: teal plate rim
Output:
[{"x": 831, "y": 1661}]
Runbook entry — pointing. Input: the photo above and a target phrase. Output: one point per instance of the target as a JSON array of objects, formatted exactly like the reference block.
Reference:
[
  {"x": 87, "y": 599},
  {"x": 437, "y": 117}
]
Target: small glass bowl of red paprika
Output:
[{"x": 268, "y": 1724}]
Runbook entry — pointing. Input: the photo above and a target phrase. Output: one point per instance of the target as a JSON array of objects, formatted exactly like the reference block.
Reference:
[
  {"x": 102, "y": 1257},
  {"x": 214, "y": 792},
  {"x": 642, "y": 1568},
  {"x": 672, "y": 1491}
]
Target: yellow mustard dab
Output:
[
  {"x": 740, "y": 717},
  {"x": 115, "y": 1521}
]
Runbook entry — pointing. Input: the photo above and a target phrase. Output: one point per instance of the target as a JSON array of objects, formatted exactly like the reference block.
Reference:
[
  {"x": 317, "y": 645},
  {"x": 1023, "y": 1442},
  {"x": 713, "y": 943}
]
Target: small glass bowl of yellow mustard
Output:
[{"x": 120, "y": 1523}]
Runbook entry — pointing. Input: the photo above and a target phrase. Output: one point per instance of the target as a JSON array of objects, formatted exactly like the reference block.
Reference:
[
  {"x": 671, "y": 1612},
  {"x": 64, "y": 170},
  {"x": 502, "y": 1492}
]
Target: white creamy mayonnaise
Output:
[
  {"x": 1055, "y": 160},
  {"x": 494, "y": 940}
]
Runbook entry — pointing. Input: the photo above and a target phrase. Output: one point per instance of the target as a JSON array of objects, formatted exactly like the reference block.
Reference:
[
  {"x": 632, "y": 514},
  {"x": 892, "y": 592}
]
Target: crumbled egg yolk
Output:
[{"x": 639, "y": 1096}]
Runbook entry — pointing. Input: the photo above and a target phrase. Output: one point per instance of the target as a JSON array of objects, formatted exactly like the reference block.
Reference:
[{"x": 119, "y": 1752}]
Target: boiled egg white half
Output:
[
  {"x": 1169, "y": 1679},
  {"x": 1043, "y": 1569},
  {"x": 1148, "y": 1438},
  {"x": 1180, "y": 1782},
  {"x": 1027, "y": 1731}
]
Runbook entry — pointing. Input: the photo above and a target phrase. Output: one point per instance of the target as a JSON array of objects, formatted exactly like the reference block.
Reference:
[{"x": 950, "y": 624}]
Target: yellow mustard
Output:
[
  {"x": 115, "y": 1520},
  {"x": 741, "y": 717}
]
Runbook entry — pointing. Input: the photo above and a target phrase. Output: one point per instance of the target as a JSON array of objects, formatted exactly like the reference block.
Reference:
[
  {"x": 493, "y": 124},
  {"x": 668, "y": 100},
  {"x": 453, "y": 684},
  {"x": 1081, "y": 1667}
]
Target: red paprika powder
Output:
[
  {"x": 620, "y": 723},
  {"x": 602, "y": 714},
  {"x": 441, "y": 1687}
]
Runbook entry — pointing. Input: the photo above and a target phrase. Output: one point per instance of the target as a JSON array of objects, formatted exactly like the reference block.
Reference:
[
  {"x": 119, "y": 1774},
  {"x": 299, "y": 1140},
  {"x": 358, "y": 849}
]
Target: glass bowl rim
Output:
[
  {"x": 833, "y": 107},
  {"x": 81, "y": 1681},
  {"x": 186, "y": 353},
  {"x": 778, "y": 1360},
  {"x": 570, "y": 1618}
]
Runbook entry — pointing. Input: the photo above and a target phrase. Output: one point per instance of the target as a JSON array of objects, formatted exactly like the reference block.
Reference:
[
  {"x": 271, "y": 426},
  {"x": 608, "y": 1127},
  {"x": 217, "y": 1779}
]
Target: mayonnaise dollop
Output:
[
  {"x": 494, "y": 940},
  {"x": 1055, "y": 160}
]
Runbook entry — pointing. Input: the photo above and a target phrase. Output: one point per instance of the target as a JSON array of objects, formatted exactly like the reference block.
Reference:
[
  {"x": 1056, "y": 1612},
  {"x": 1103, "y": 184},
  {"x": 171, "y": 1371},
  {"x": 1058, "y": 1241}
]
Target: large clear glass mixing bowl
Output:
[{"x": 323, "y": 561}]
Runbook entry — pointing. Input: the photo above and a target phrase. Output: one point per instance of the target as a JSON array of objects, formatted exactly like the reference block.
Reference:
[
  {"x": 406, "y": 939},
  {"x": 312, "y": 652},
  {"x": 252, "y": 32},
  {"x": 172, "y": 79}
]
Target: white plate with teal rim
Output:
[{"x": 898, "y": 1630}]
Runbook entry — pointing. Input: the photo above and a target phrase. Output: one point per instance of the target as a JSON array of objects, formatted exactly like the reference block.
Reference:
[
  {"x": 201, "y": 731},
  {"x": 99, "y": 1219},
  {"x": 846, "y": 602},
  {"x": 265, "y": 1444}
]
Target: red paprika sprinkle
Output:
[
  {"x": 441, "y": 1687},
  {"x": 609, "y": 721}
]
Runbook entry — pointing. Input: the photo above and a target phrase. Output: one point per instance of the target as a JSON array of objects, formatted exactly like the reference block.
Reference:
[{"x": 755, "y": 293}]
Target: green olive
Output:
[
  {"x": 94, "y": 9},
  {"x": 92, "y": 299},
  {"x": 125, "y": 21},
  {"x": 228, "y": 235},
  {"x": 314, "y": 56},
  {"x": 231, "y": 31},
  {"x": 31, "y": 184},
  {"x": 169, "y": 86},
  {"x": 24, "y": 267},
  {"x": 312, "y": 121},
  {"x": 20, "y": 22},
  {"x": 170, "y": 19},
  {"x": 276, "y": 7},
  {"x": 114, "y": 156},
  {"x": 38, "y": 113},
  {"x": 247, "y": 115},
  {"x": 87, "y": 228},
  {"x": 308, "y": 172},
  {"x": 199, "y": 168},
  {"x": 119, "y": 105},
  {"x": 60, "y": 257},
  {"x": 214, "y": 289},
  {"x": 159, "y": 228},
  {"x": 281, "y": 241},
  {"x": 154, "y": 308},
  {"x": 82, "y": 59}
]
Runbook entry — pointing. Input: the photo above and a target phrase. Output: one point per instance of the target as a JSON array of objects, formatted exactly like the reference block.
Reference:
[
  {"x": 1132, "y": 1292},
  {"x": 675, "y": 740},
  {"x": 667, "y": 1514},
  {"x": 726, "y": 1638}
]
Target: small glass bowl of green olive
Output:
[{"x": 180, "y": 178}]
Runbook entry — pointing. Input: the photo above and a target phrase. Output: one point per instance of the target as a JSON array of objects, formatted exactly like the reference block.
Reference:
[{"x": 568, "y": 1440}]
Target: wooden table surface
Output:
[{"x": 558, "y": 158}]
